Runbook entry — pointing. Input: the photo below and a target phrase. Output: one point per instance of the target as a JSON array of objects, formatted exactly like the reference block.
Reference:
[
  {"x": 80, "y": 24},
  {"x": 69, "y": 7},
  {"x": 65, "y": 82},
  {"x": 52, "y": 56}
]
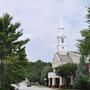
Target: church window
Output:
[{"x": 62, "y": 40}]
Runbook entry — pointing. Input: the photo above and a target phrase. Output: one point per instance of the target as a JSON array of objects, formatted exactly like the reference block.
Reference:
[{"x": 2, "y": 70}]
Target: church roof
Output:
[
  {"x": 64, "y": 58},
  {"x": 61, "y": 58}
]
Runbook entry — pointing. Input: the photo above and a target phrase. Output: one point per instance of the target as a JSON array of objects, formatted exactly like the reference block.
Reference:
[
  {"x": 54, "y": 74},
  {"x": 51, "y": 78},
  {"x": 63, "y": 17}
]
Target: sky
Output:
[{"x": 40, "y": 19}]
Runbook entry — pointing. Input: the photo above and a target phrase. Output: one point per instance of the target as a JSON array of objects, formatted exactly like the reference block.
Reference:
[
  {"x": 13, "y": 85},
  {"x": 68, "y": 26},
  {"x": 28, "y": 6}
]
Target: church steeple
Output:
[{"x": 61, "y": 37}]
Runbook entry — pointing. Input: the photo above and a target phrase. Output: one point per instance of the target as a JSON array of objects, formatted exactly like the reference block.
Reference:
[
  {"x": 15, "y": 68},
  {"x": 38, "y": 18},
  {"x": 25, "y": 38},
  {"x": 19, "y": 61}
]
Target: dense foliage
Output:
[
  {"x": 82, "y": 78},
  {"x": 44, "y": 73},
  {"x": 38, "y": 70},
  {"x": 67, "y": 69},
  {"x": 84, "y": 44},
  {"x": 12, "y": 52},
  {"x": 15, "y": 72}
]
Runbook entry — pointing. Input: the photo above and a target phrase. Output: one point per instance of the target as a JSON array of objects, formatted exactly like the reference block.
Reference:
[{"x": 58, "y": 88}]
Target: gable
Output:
[
  {"x": 56, "y": 61},
  {"x": 55, "y": 58}
]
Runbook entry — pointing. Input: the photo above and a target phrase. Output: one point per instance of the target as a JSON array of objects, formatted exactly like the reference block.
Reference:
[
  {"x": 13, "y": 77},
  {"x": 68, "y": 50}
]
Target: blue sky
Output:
[{"x": 39, "y": 20}]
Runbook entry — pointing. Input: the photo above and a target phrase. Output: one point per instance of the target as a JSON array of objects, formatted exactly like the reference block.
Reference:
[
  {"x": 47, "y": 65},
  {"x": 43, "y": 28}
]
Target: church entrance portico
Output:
[
  {"x": 57, "y": 82},
  {"x": 54, "y": 80}
]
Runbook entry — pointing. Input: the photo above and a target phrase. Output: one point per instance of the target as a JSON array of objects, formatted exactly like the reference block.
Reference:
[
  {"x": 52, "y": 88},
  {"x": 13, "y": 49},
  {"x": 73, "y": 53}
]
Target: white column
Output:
[
  {"x": 71, "y": 80},
  {"x": 48, "y": 81},
  {"x": 89, "y": 68},
  {"x": 53, "y": 82},
  {"x": 54, "y": 70},
  {"x": 60, "y": 81}
]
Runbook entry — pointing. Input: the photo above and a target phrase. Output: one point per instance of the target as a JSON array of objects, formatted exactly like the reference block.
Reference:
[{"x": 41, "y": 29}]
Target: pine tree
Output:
[{"x": 11, "y": 48}]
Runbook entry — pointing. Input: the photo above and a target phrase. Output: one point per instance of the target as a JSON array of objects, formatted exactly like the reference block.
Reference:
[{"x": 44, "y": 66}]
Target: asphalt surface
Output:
[{"x": 34, "y": 88}]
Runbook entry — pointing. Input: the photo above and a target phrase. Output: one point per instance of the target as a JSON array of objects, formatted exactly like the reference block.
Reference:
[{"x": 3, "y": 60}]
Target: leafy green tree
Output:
[
  {"x": 44, "y": 73},
  {"x": 35, "y": 70},
  {"x": 81, "y": 80},
  {"x": 16, "y": 72},
  {"x": 66, "y": 71},
  {"x": 11, "y": 48},
  {"x": 84, "y": 44}
]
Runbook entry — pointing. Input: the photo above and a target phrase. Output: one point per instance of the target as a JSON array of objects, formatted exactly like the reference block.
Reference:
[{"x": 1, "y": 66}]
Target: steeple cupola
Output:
[{"x": 61, "y": 38}]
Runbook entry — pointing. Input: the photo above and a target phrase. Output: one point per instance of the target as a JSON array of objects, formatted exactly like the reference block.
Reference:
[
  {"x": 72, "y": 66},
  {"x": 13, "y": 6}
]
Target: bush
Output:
[
  {"x": 83, "y": 82},
  {"x": 88, "y": 83},
  {"x": 7, "y": 88}
]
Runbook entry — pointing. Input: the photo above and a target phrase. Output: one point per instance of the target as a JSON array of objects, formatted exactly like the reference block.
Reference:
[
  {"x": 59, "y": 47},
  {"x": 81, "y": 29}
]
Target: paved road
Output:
[
  {"x": 34, "y": 88},
  {"x": 23, "y": 86}
]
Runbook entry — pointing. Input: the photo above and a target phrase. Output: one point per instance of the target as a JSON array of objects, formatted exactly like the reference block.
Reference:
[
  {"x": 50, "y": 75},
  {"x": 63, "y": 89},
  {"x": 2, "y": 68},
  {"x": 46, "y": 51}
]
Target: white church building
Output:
[{"x": 61, "y": 57}]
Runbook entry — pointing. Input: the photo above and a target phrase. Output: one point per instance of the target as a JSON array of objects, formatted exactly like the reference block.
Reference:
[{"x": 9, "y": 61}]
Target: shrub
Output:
[
  {"x": 88, "y": 83},
  {"x": 83, "y": 82}
]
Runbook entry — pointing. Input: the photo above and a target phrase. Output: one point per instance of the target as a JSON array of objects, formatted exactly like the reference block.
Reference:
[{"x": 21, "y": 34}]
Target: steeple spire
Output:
[
  {"x": 61, "y": 23},
  {"x": 61, "y": 37}
]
